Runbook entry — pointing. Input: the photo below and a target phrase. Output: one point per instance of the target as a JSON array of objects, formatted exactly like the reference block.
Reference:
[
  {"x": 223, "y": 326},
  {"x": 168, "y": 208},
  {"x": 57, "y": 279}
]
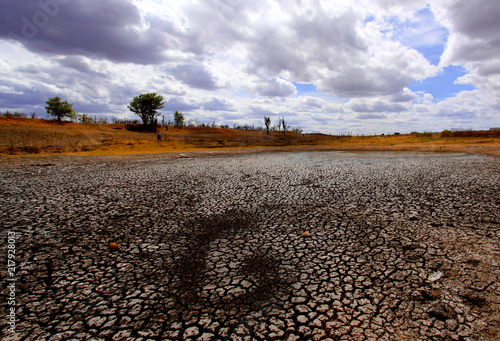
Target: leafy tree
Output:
[
  {"x": 59, "y": 109},
  {"x": 267, "y": 121},
  {"x": 146, "y": 107},
  {"x": 179, "y": 119}
]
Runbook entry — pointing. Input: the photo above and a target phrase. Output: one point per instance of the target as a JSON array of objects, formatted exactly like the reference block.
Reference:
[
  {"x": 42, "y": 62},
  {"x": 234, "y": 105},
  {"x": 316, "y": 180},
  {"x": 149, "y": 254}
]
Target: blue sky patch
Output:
[
  {"x": 442, "y": 86},
  {"x": 423, "y": 34},
  {"x": 304, "y": 89}
]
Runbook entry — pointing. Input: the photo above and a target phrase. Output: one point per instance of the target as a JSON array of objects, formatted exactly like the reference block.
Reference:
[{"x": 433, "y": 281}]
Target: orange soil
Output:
[{"x": 35, "y": 137}]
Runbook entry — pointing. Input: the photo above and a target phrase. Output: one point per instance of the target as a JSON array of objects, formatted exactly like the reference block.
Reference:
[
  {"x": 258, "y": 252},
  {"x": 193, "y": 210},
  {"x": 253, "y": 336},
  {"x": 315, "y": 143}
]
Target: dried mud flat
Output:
[{"x": 210, "y": 248}]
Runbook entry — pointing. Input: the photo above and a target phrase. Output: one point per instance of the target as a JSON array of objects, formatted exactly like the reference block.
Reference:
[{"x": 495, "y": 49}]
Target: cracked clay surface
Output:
[{"x": 211, "y": 248}]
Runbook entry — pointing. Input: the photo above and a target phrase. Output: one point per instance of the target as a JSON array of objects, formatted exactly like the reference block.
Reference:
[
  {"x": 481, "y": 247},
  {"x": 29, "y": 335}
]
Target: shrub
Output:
[{"x": 15, "y": 114}]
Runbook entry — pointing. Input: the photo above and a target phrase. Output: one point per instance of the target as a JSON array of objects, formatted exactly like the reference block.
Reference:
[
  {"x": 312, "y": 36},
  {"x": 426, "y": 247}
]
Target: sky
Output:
[{"x": 330, "y": 66}]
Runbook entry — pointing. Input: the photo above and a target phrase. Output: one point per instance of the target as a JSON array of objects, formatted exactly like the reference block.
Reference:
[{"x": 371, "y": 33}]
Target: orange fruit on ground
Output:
[{"x": 113, "y": 246}]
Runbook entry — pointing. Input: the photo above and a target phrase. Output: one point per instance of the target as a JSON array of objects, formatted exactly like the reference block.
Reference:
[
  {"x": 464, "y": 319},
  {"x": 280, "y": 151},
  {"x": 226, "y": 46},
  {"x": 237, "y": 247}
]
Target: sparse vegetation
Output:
[
  {"x": 282, "y": 124},
  {"x": 24, "y": 136},
  {"x": 83, "y": 118},
  {"x": 14, "y": 114},
  {"x": 470, "y": 133}
]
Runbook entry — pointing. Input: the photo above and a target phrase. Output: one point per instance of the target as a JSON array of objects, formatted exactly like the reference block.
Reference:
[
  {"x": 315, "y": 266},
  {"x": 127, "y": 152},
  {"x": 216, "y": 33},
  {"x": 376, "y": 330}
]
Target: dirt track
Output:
[{"x": 211, "y": 247}]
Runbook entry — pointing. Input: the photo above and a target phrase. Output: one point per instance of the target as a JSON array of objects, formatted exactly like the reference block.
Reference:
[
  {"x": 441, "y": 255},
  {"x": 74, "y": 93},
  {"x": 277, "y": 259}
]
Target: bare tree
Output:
[
  {"x": 267, "y": 121},
  {"x": 282, "y": 123}
]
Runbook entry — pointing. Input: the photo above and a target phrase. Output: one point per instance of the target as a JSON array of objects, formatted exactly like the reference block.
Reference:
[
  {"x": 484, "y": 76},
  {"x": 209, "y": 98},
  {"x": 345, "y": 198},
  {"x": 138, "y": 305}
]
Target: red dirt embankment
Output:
[{"x": 36, "y": 137}]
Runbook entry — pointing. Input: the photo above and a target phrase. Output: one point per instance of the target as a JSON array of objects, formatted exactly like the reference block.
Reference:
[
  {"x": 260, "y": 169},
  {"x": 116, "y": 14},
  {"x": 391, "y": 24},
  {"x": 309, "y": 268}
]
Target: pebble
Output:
[{"x": 209, "y": 248}]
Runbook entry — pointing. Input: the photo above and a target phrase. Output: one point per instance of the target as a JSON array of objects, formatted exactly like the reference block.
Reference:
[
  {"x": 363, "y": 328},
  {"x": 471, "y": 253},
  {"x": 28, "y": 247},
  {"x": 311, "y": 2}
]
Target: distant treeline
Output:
[
  {"x": 84, "y": 118},
  {"x": 17, "y": 114},
  {"x": 471, "y": 133}
]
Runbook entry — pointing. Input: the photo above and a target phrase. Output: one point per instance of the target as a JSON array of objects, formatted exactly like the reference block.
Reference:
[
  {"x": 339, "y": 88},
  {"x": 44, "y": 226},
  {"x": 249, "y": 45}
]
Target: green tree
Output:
[
  {"x": 267, "y": 121},
  {"x": 55, "y": 107},
  {"x": 146, "y": 107},
  {"x": 179, "y": 119}
]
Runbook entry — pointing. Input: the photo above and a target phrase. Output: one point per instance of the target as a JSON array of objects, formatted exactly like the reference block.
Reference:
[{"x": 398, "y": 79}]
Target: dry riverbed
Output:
[{"x": 400, "y": 246}]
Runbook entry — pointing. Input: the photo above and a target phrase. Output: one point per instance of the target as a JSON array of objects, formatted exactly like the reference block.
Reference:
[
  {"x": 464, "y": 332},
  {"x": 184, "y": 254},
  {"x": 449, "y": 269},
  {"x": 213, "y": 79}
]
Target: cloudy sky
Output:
[{"x": 333, "y": 66}]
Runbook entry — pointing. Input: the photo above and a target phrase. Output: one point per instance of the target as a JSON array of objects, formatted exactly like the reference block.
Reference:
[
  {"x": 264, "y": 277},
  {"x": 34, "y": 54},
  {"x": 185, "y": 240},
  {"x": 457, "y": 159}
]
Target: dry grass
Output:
[{"x": 34, "y": 137}]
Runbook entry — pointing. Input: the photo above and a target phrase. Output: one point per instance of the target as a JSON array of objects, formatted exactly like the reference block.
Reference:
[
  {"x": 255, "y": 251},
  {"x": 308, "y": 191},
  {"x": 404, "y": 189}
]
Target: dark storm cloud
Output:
[
  {"x": 376, "y": 107},
  {"x": 458, "y": 113},
  {"x": 403, "y": 96},
  {"x": 259, "y": 112},
  {"x": 275, "y": 88},
  {"x": 360, "y": 81},
  {"x": 29, "y": 69},
  {"x": 80, "y": 64},
  {"x": 27, "y": 95},
  {"x": 330, "y": 52},
  {"x": 218, "y": 104},
  {"x": 93, "y": 107},
  {"x": 246, "y": 56},
  {"x": 485, "y": 69},
  {"x": 474, "y": 42},
  {"x": 304, "y": 42},
  {"x": 107, "y": 29},
  {"x": 370, "y": 116},
  {"x": 70, "y": 78},
  {"x": 13, "y": 101},
  {"x": 476, "y": 19},
  {"x": 475, "y": 28},
  {"x": 193, "y": 75},
  {"x": 178, "y": 104},
  {"x": 225, "y": 21},
  {"x": 312, "y": 102}
]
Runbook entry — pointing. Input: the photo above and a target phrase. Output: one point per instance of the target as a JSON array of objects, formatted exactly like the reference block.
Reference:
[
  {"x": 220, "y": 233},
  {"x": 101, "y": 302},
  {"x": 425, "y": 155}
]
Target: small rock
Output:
[{"x": 435, "y": 276}]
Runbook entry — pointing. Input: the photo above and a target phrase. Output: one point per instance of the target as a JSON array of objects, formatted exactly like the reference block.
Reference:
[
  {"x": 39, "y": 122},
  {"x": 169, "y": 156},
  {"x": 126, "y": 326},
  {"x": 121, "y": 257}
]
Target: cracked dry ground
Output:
[{"x": 210, "y": 248}]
